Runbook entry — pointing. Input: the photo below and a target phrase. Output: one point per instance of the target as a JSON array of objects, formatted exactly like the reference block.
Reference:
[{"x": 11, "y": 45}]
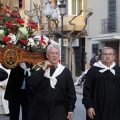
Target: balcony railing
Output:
[{"x": 109, "y": 25}]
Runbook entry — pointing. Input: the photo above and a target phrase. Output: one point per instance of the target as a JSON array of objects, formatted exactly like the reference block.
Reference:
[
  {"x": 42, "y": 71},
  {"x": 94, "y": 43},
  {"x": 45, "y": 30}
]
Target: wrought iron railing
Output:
[{"x": 109, "y": 25}]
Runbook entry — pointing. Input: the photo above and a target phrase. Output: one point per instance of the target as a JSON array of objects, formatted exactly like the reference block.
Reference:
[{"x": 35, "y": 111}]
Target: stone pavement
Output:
[
  {"x": 79, "y": 90},
  {"x": 3, "y": 117}
]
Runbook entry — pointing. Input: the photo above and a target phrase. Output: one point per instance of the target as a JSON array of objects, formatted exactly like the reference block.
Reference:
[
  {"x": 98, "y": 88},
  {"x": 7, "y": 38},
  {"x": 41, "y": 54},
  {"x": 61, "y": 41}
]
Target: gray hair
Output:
[
  {"x": 108, "y": 48},
  {"x": 52, "y": 46},
  {"x": 96, "y": 58}
]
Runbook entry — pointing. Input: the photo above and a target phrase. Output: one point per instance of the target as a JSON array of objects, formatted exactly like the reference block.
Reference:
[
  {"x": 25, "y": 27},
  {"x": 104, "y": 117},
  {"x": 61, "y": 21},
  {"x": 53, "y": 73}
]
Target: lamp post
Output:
[
  {"x": 62, "y": 7},
  {"x": 50, "y": 13}
]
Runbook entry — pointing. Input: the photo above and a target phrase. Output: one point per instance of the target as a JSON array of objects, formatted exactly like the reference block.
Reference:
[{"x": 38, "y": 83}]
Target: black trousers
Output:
[{"x": 14, "y": 107}]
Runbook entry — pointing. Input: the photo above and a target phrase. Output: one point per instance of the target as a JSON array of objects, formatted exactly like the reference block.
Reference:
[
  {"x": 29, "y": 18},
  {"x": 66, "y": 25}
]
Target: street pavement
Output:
[
  {"x": 3, "y": 117},
  {"x": 79, "y": 90}
]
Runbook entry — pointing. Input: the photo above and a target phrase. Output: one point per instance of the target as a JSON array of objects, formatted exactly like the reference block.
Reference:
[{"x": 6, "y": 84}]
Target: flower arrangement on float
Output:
[{"x": 13, "y": 30}]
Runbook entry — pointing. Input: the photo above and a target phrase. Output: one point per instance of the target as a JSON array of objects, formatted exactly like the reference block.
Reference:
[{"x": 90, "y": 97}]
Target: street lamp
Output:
[
  {"x": 50, "y": 13},
  {"x": 62, "y": 7}
]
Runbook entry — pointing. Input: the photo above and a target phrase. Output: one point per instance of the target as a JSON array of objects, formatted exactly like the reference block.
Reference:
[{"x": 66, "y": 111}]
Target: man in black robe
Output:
[
  {"x": 18, "y": 92},
  {"x": 54, "y": 97},
  {"x": 101, "y": 93}
]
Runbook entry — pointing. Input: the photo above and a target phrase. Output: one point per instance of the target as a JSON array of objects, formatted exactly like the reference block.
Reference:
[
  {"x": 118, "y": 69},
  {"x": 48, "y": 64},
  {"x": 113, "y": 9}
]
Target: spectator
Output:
[
  {"x": 92, "y": 60},
  {"x": 96, "y": 58},
  {"x": 99, "y": 54}
]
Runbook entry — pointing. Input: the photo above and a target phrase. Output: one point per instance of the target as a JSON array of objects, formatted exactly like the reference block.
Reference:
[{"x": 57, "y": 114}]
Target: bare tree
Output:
[
  {"x": 71, "y": 40},
  {"x": 68, "y": 36}
]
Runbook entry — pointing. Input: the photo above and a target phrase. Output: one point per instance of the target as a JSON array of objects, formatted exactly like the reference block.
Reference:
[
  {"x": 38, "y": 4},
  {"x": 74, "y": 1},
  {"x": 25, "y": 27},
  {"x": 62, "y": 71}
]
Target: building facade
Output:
[
  {"x": 73, "y": 8},
  {"x": 103, "y": 27}
]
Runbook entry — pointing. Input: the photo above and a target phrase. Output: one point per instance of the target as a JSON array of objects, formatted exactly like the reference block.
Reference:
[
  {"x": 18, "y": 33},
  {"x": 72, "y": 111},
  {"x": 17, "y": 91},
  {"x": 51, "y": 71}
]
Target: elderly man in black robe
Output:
[
  {"x": 54, "y": 96},
  {"x": 101, "y": 93}
]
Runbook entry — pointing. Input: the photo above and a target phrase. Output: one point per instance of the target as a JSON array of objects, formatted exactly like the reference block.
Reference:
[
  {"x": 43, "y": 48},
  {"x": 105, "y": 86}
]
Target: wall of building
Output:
[
  {"x": 118, "y": 15},
  {"x": 100, "y": 11},
  {"x": 94, "y": 27}
]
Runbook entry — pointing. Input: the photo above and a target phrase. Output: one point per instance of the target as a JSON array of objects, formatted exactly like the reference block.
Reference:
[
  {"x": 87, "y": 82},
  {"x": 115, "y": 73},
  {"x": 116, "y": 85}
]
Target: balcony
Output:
[{"x": 109, "y": 25}]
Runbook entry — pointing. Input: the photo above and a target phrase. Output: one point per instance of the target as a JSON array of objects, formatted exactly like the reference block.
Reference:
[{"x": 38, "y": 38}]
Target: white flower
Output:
[
  {"x": 23, "y": 31},
  {"x": 30, "y": 42},
  {"x": 13, "y": 38},
  {"x": 1, "y": 32},
  {"x": 1, "y": 35},
  {"x": 3, "y": 46}
]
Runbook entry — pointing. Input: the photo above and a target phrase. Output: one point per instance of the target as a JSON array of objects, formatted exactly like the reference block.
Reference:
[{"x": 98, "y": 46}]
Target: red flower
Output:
[
  {"x": 42, "y": 40},
  {"x": 0, "y": 18},
  {"x": 20, "y": 20},
  {"x": 23, "y": 42},
  {"x": 32, "y": 24},
  {"x": 9, "y": 24},
  {"x": 14, "y": 14},
  {"x": 6, "y": 39},
  {"x": 4, "y": 10}
]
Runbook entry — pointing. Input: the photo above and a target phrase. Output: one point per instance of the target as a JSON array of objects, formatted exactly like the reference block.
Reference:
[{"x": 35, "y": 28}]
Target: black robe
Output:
[
  {"x": 102, "y": 92},
  {"x": 50, "y": 103},
  {"x": 3, "y": 74}
]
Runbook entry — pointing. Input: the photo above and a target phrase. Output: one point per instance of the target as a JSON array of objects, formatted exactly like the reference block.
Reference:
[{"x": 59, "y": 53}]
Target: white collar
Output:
[
  {"x": 52, "y": 78},
  {"x": 99, "y": 64},
  {"x": 23, "y": 65}
]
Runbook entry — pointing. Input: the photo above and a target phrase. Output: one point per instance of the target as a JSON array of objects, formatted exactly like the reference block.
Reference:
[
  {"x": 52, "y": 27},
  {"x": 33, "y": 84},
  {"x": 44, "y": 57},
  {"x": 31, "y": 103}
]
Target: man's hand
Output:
[
  {"x": 70, "y": 115},
  {"x": 46, "y": 65},
  {"x": 91, "y": 113}
]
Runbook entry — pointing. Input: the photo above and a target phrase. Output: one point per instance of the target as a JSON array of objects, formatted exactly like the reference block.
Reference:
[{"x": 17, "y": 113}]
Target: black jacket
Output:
[
  {"x": 3, "y": 74},
  {"x": 14, "y": 84}
]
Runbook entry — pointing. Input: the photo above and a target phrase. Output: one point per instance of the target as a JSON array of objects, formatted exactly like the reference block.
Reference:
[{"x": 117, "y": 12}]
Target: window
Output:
[
  {"x": 20, "y": 3},
  {"x": 112, "y": 21},
  {"x": 95, "y": 48},
  {"x": 76, "y": 6}
]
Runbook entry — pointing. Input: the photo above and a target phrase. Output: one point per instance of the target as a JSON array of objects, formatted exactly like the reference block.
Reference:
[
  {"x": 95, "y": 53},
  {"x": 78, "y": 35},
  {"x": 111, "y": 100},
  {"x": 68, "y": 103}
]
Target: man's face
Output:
[
  {"x": 53, "y": 56},
  {"x": 108, "y": 56}
]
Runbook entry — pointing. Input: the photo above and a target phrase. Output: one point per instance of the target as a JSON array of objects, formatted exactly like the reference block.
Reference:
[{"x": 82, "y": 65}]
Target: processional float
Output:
[{"x": 17, "y": 43}]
